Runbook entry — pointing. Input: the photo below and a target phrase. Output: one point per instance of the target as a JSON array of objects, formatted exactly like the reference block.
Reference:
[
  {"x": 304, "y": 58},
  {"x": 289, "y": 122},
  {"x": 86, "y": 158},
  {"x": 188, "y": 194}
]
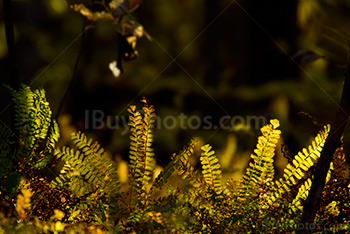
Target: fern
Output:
[
  {"x": 184, "y": 167},
  {"x": 261, "y": 170},
  {"x": 32, "y": 149},
  {"x": 142, "y": 159},
  {"x": 303, "y": 192},
  {"x": 301, "y": 163},
  {"x": 38, "y": 133},
  {"x": 211, "y": 169},
  {"x": 268, "y": 200},
  {"x": 163, "y": 177},
  {"x": 179, "y": 161},
  {"x": 91, "y": 176},
  {"x": 87, "y": 188},
  {"x": 135, "y": 120},
  {"x": 33, "y": 119},
  {"x": 96, "y": 171},
  {"x": 64, "y": 179}
]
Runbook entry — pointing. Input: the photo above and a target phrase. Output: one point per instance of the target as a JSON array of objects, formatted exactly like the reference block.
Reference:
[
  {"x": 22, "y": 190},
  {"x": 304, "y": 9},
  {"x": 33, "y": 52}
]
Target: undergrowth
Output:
[{"x": 87, "y": 196}]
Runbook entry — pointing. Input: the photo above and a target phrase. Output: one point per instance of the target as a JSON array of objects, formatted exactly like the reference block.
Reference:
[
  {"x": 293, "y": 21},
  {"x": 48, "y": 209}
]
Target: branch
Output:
[{"x": 312, "y": 203}]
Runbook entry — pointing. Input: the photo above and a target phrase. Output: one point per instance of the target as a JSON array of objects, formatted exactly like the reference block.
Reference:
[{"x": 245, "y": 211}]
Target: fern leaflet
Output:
[
  {"x": 301, "y": 163},
  {"x": 211, "y": 168}
]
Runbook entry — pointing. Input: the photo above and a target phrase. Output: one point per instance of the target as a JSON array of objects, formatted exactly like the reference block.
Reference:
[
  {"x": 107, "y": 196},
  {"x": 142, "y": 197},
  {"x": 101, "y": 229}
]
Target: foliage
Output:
[
  {"x": 27, "y": 152},
  {"x": 87, "y": 197}
]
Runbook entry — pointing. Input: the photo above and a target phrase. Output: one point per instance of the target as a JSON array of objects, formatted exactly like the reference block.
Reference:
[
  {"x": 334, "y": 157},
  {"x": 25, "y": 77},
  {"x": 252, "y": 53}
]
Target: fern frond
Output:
[
  {"x": 184, "y": 167},
  {"x": 211, "y": 169},
  {"x": 33, "y": 115},
  {"x": 303, "y": 192},
  {"x": 64, "y": 179},
  {"x": 147, "y": 141},
  {"x": 142, "y": 159},
  {"x": 38, "y": 134},
  {"x": 261, "y": 170},
  {"x": 163, "y": 177},
  {"x": 180, "y": 162},
  {"x": 301, "y": 163},
  {"x": 135, "y": 120},
  {"x": 48, "y": 145},
  {"x": 94, "y": 168}
]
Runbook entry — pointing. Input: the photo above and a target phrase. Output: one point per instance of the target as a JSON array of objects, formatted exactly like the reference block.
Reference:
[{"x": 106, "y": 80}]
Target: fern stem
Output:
[{"x": 312, "y": 204}]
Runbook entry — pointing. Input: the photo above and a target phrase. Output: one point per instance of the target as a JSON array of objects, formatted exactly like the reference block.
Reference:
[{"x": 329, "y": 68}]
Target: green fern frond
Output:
[
  {"x": 74, "y": 160},
  {"x": 94, "y": 169},
  {"x": 180, "y": 162},
  {"x": 184, "y": 167},
  {"x": 301, "y": 163},
  {"x": 211, "y": 169},
  {"x": 163, "y": 177},
  {"x": 303, "y": 192},
  {"x": 38, "y": 133},
  {"x": 261, "y": 170},
  {"x": 135, "y": 120},
  {"x": 146, "y": 141},
  {"x": 33, "y": 115},
  {"x": 64, "y": 179},
  {"x": 142, "y": 158}
]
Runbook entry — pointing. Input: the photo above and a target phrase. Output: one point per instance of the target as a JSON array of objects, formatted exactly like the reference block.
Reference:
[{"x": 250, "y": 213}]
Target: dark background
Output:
[{"x": 234, "y": 60}]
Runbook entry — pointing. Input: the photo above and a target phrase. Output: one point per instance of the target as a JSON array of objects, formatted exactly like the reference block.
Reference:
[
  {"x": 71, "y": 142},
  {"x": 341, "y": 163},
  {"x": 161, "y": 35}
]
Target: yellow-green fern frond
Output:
[
  {"x": 261, "y": 170},
  {"x": 142, "y": 158},
  {"x": 31, "y": 146},
  {"x": 180, "y": 162},
  {"x": 94, "y": 170},
  {"x": 146, "y": 141},
  {"x": 135, "y": 121},
  {"x": 163, "y": 177},
  {"x": 38, "y": 133},
  {"x": 301, "y": 163},
  {"x": 63, "y": 180},
  {"x": 211, "y": 169},
  {"x": 183, "y": 165},
  {"x": 303, "y": 192}
]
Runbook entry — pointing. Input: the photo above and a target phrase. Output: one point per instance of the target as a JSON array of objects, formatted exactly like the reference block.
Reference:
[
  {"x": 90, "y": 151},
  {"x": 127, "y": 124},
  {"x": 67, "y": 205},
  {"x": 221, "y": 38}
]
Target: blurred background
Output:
[{"x": 250, "y": 58}]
